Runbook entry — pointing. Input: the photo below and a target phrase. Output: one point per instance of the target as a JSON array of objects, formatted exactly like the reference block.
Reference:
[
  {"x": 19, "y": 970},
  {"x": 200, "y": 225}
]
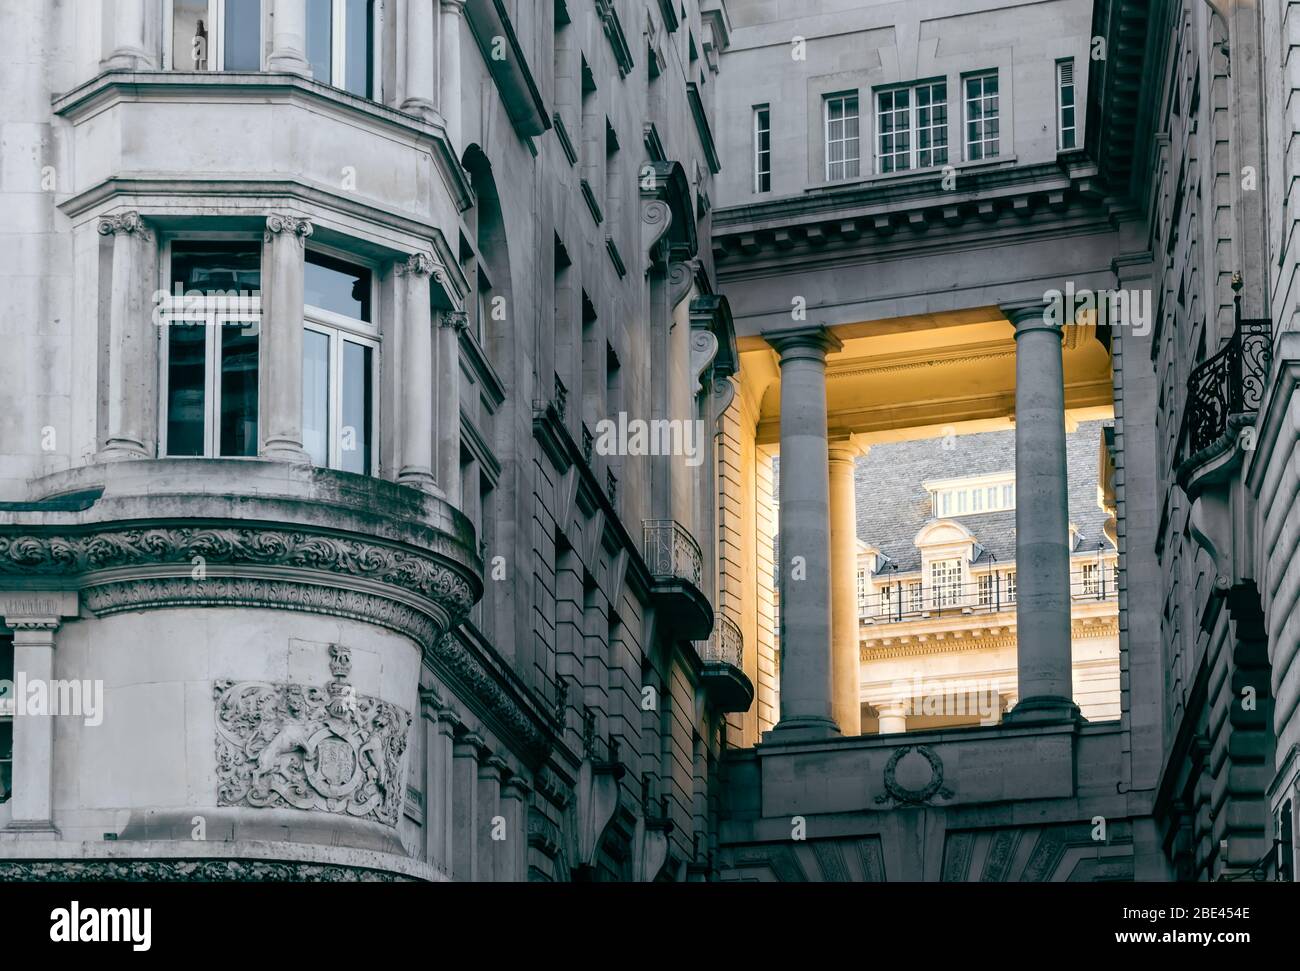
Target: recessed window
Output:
[
  {"x": 843, "y": 147},
  {"x": 215, "y": 35},
  {"x": 211, "y": 337},
  {"x": 339, "y": 351},
  {"x": 1065, "y": 112},
  {"x": 340, "y": 43},
  {"x": 982, "y": 117},
  {"x": 912, "y": 127},
  {"x": 762, "y": 148}
]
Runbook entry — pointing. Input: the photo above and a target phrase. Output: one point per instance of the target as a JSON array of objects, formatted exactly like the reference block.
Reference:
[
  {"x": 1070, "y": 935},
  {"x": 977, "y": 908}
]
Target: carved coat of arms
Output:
[{"x": 301, "y": 747}]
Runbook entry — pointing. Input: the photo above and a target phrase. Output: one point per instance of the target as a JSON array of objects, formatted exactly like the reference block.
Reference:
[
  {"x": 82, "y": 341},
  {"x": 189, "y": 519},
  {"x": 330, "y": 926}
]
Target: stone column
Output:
[
  {"x": 1042, "y": 521},
  {"x": 126, "y": 39},
  {"x": 415, "y": 463},
  {"x": 449, "y": 70},
  {"x": 805, "y": 536},
  {"x": 437, "y": 777},
  {"x": 441, "y": 823},
  {"x": 289, "y": 40},
  {"x": 846, "y": 704},
  {"x": 893, "y": 716},
  {"x": 422, "y": 57},
  {"x": 452, "y": 324},
  {"x": 281, "y": 336},
  {"x": 132, "y": 341},
  {"x": 467, "y": 749},
  {"x": 514, "y": 807},
  {"x": 490, "y": 850},
  {"x": 33, "y": 739}
]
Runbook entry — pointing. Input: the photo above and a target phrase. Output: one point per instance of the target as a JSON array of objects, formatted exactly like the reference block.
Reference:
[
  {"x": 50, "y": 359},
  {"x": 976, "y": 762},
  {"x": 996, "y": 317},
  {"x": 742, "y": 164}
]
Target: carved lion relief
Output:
[{"x": 301, "y": 747}]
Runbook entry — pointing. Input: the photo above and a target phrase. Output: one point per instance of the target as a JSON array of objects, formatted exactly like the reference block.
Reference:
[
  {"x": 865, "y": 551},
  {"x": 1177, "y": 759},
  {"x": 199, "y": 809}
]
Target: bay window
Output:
[
  {"x": 215, "y": 35},
  {"x": 340, "y": 44},
  {"x": 210, "y": 345},
  {"x": 340, "y": 356}
]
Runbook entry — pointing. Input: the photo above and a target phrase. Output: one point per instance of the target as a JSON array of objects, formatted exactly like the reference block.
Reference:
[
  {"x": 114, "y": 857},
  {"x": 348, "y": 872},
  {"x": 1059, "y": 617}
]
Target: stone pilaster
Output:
[
  {"x": 452, "y": 324},
  {"x": 125, "y": 48},
  {"x": 467, "y": 749},
  {"x": 449, "y": 69},
  {"x": 491, "y": 851},
  {"x": 132, "y": 343},
  {"x": 281, "y": 358},
  {"x": 289, "y": 38},
  {"x": 846, "y": 705},
  {"x": 440, "y": 728},
  {"x": 1042, "y": 521},
  {"x": 805, "y": 536},
  {"x": 422, "y": 37},
  {"x": 415, "y": 463},
  {"x": 514, "y": 807},
  {"x": 33, "y": 739}
]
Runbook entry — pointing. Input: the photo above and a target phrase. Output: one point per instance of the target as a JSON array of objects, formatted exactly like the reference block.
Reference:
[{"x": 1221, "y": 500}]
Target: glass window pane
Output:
[
  {"x": 238, "y": 390},
  {"x": 337, "y": 286},
  {"x": 357, "y": 68},
  {"x": 316, "y": 395},
  {"x": 243, "y": 35},
  {"x": 6, "y": 763},
  {"x": 187, "y": 344},
  {"x": 320, "y": 32},
  {"x": 355, "y": 434},
  {"x": 190, "y": 35},
  {"x": 216, "y": 268}
]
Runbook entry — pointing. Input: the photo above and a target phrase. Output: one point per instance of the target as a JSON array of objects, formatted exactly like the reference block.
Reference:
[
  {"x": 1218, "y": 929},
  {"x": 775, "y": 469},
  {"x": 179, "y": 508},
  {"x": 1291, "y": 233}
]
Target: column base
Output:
[
  {"x": 33, "y": 829},
  {"x": 803, "y": 729},
  {"x": 422, "y": 108},
  {"x": 288, "y": 62},
  {"x": 1045, "y": 708},
  {"x": 120, "y": 449},
  {"x": 421, "y": 479},
  {"x": 127, "y": 59},
  {"x": 286, "y": 453}
]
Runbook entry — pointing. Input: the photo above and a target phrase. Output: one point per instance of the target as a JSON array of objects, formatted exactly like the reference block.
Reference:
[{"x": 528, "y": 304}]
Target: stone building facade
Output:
[{"x": 331, "y": 517}]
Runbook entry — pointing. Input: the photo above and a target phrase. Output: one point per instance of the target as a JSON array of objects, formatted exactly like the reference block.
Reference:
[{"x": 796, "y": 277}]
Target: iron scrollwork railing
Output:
[
  {"x": 670, "y": 551},
  {"x": 726, "y": 644},
  {"x": 1230, "y": 382}
]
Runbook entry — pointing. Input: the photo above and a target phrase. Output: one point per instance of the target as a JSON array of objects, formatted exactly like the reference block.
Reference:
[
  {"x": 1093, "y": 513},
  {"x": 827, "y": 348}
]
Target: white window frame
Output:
[
  {"x": 1066, "y": 63},
  {"x": 914, "y": 127},
  {"x": 339, "y": 328},
  {"x": 216, "y": 35},
  {"x": 967, "y": 101},
  {"x": 844, "y": 139},
  {"x": 338, "y": 48},
  {"x": 758, "y": 130},
  {"x": 945, "y": 582},
  {"x": 214, "y": 321}
]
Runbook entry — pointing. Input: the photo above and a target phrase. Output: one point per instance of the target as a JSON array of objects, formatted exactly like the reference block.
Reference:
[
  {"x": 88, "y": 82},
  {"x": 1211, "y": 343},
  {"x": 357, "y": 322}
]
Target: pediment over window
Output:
[{"x": 943, "y": 532}]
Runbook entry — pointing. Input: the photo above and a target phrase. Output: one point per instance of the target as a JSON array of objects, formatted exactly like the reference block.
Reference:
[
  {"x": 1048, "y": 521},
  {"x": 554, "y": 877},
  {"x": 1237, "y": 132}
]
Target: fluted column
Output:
[
  {"x": 422, "y": 57},
  {"x": 289, "y": 39},
  {"x": 1042, "y": 521},
  {"x": 451, "y": 324},
  {"x": 33, "y": 738},
  {"x": 281, "y": 332},
  {"x": 126, "y": 39},
  {"x": 805, "y": 536},
  {"x": 415, "y": 463},
  {"x": 132, "y": 342},
  {"x": 449, "y": 69},
  {"x": 846, "y": 706}
]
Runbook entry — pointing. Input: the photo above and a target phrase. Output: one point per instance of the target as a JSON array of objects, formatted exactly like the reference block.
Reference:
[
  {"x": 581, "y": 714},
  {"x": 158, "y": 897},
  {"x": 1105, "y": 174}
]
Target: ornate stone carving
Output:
[
  {"x": 190, "y": 871},
  {"x": 417, "y": 264},
  {"x": 457, "y": 320},
  {"x": 65, "y": 554},
  {"x": 704, "y": 348},
  {"x": 129, "y": 223},
  {"x": 296, "y": 226},
  {"x": 295, "y": 746},
  {"x": 904, "y": 796}
]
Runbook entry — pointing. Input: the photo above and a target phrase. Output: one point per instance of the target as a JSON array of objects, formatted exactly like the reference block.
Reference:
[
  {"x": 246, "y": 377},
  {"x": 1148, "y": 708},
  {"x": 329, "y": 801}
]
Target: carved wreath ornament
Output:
[
  {"x": 300, "y": 747},
  {"x": 914, "y": 797}
]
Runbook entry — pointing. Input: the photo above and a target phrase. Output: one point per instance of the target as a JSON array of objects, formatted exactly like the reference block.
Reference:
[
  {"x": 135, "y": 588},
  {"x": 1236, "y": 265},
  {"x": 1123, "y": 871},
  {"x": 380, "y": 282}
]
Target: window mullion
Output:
[
  {"x": 338, "y": 44},
  {"x": 211, "y": 386},
  {"x": 217, "y": 35}
]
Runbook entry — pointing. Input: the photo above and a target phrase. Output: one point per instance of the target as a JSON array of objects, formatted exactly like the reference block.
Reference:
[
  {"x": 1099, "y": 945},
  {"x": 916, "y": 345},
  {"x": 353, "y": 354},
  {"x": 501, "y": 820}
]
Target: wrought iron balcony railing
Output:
[
  {"x": 725, "y": 645},
  {"x": 670, "y": 551},
  {"x": 1229, "y": 382},
  {"x": 914, "y": 601}
]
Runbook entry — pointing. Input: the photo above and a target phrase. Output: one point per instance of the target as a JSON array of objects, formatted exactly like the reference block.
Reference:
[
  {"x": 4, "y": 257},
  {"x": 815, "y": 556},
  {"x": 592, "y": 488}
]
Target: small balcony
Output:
[
  {"x": 724, "y": 676},
  {"x": 677, "y": 570},
  {"x": 906, "y": 601}
]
